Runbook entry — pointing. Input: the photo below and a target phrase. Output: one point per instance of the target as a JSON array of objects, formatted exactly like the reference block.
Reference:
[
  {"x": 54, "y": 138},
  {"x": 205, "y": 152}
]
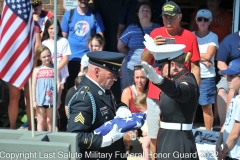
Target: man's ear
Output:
[
  {"x": 180, "y": 17},
  {"x": 173, "y": 65},
  {"x": 97, "y": 70}
]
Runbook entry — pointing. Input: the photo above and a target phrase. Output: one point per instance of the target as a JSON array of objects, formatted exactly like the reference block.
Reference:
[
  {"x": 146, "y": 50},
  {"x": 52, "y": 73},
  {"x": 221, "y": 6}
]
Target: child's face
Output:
[
  {"x": 233, "y": 82},
  {"x": 45, "y": 57},
  {"x": 95, "y": 46},
  {"x": 51, "y": 31},
  {"x": 142, "y": 108}
]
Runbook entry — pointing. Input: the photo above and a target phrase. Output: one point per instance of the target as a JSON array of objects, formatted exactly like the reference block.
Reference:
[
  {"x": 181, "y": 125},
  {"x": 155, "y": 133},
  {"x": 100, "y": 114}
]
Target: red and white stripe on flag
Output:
[{"x": 17, "y": 40}]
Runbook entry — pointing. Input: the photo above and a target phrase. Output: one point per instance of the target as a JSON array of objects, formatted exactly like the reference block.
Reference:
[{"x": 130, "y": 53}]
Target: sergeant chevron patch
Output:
[{"x": 79, "y": 118}]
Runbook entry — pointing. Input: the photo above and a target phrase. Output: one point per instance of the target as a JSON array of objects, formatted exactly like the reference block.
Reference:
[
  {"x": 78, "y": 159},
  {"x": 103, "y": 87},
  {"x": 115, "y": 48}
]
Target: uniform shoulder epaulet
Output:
[{"x": 82, "y": 92}]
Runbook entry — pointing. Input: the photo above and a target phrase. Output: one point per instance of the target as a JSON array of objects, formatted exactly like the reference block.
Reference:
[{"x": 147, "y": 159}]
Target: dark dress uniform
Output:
[
  {"x": 92, "y": 107},
  {"x": 179, "y": 101},
  {"x": 81, "y": 116}
]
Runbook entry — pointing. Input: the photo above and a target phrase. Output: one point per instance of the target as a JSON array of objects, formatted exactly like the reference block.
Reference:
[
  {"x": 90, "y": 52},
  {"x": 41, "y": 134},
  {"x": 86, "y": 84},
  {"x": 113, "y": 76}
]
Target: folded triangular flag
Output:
[{"x": 124, "y": 125}]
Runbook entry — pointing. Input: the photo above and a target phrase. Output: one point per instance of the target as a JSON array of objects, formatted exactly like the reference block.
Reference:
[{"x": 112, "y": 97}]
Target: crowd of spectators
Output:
[{"x": 208, "y": 39}]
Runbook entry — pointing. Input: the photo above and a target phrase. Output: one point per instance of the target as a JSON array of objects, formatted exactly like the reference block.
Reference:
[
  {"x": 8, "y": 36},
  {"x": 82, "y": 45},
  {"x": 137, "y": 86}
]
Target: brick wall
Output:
[{"x": 47, "y": 5}]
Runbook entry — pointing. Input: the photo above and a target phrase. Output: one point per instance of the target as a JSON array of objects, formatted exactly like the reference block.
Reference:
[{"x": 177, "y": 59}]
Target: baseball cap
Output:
[
  {"x": 204, "y": 13},
  {"x": 171, "y": 8},
  {"x": 233, "y": 68},
  {"x": 36, "y": 3}
]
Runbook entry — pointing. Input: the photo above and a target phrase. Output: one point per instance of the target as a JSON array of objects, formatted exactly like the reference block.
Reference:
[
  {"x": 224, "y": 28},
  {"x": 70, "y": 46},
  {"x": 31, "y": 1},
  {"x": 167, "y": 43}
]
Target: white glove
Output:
[
  {"x": 123, "y": 112},
  {"x": 151, "y": 74},
  {"x": 149, "y": 42},
  {"x": 112, "y": 136}
]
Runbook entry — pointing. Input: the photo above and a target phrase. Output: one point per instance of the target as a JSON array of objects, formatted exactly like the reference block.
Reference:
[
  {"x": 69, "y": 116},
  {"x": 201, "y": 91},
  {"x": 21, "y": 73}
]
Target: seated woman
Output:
[{"x": 139, "y": 86}]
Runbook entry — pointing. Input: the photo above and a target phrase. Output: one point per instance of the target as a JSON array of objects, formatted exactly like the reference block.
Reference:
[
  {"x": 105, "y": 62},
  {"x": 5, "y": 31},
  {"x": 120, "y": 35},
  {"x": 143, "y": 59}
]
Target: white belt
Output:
[{"x": 175, "y": 126}]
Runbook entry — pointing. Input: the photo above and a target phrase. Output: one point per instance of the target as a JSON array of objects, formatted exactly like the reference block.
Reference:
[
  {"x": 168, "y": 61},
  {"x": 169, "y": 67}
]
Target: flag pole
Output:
[
  {"x": 31, "y": 106},
  {"x": 55, "y": 67}
]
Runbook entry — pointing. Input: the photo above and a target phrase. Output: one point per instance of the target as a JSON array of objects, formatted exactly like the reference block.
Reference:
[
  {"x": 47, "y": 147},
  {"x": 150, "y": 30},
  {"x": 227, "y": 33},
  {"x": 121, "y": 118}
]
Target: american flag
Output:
[
  {"x": 17, "y": 40},
  {"x": 124, "y": 125}
]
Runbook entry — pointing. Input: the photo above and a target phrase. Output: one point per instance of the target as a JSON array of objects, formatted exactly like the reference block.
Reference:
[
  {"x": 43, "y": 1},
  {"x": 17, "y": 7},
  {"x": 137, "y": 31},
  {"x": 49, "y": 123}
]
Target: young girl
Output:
[
  {"x": 95, "y": 43},
  {"x": 63, "y": 52},
  {"x": 42, "y": 87},
  {"x": 141, "y": 104}
]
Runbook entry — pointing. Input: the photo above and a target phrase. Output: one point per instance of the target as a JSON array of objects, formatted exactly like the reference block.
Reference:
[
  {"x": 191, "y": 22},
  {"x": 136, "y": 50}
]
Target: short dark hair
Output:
[{"x": 98, "y": 37}]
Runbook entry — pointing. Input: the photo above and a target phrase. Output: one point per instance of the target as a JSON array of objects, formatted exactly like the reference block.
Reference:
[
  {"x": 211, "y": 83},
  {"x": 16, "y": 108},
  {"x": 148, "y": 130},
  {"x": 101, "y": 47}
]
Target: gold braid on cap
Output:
[
  {"x": 184, "y": 58},
  {"x": 188, "y": 56},
  {"x": 34, "y": 2},
  {"x": 116, "y": 64}
]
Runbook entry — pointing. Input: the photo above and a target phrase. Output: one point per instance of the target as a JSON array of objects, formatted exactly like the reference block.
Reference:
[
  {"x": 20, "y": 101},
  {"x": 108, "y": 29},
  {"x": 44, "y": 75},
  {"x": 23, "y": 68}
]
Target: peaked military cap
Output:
[
  {"x": 36, "y": 3},
  {"x": 111, "y": 61}
]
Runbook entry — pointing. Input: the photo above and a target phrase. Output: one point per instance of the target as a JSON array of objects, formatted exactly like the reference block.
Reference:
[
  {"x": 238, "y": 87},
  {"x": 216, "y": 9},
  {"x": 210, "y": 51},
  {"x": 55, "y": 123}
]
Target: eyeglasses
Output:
[
  {"x": 138, "y": 67},
  {"x": 199, "y": 19}
]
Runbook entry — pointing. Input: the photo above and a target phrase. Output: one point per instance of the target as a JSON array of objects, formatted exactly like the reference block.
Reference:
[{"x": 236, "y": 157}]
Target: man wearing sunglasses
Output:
[{"x": 40, "y": 15}]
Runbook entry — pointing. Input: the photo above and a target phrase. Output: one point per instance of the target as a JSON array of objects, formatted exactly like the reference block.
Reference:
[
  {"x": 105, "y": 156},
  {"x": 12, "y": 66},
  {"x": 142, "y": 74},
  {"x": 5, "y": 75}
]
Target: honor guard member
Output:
[
  {"x": 179, "y": 101},
  {"x": 94, "y": 104}
]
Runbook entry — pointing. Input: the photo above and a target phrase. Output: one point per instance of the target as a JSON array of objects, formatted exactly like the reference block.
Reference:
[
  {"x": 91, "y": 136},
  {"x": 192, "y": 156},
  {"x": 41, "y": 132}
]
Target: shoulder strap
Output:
[
  {"x": 71, "y": 15},
  {"x": 141, "y": 29},
  {"x": 94, "y": 15},
  {"x": 134, "y": 90},
  {"x": 72, "y": 12},
  {"x": 84, "y": 89},
  {"x": 130, "y": 89}
]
